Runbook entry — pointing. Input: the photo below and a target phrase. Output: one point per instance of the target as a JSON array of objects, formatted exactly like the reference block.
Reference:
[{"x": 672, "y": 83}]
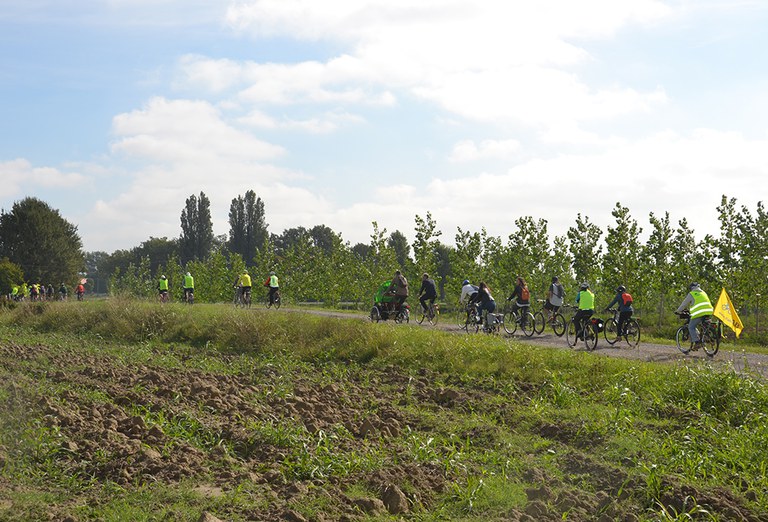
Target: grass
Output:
[{"x": 255, "y": 402}]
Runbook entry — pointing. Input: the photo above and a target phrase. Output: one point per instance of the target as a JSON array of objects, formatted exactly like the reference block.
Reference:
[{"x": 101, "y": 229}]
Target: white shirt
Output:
[{"x": 466, "y": 291}]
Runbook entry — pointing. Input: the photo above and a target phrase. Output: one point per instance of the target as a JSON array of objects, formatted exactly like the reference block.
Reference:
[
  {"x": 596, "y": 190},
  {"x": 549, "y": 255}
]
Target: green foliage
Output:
[
  {"x": 196, "y": 241},
  {"x": 11, "y": 275},
  {"x": 46, "y": 246}
]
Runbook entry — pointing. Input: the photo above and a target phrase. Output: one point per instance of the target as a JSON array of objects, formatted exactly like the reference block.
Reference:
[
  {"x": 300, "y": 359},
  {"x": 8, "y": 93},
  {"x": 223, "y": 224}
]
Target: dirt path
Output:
[{"x": 729, "y": 355}]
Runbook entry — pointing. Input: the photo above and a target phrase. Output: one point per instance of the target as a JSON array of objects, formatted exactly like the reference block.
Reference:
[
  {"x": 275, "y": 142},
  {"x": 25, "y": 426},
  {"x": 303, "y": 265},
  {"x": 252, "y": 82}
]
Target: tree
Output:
[
  {"x": 196, "y": 241},
  {"x": 658, "y": 263},
  {"x": 45, "y": 245},
  {"x": 10, "y": 275},
  {"x": 247, "y": 226},
  {"x": 621, "y": 262},
  {"x": 399, "y": 243},
  {"x": 585, "y": 249},
  {"x": 425, "y": 244}
]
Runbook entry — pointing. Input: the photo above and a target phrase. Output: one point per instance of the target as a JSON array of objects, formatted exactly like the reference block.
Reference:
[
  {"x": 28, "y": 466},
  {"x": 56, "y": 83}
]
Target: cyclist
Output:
[
  {"x": 80, "y": 291},
  {"x": 624, "y": 300},
  {"x": 400, "y": 288},
  {"x": 245, "y": 285},
  {"x": 427, "y": 292},
  {"x": 523, "y": 296},
  {"x": 15, "y": 293},
  {"x": 699, "y": 306},
  {"x": 555, "y": 298},
  {"x": 63, "y": 292},
  {"x": 34, "y": 290},
  {"x": 189, "y": 286},
  {"x": 274, "y": 286},
  {"x": 486, "y": 303},
  {"x": 162, "y": 288},
  {"x": 586, "y": 301},
  {"x": 468, "y": 292},
  {"x": 49, "y": 292}
]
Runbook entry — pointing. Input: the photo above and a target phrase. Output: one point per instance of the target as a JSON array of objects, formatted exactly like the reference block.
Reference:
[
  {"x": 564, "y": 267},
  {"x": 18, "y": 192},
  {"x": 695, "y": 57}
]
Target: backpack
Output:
[
  {"x": 525, "y": 295},
  {"x": 626, "y": 298}
]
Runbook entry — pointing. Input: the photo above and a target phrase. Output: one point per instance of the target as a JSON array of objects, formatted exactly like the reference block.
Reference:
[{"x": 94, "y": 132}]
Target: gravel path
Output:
[{"x": 729, "y": 354}]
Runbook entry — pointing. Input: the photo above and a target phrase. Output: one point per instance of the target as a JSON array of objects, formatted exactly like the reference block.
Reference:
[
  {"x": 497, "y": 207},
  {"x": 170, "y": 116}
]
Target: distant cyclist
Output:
[
  {"x": 586, "y": 301},
  {"x": 486, "y": 302},
  {"x": 189, "y": 287},
  {"x": 427, "y": 292},
  {"x": 555, "y": 297},
  {"x": 63, "y": 292},
  {"x": 700, "y": 307},
  {"x": 624, "y": 300},
  {"x": 400, "y": 287},
  {"x": 244, "y": 282},
  {"x": 80, "y": 291},
  {"x": 468, "y": 292},
  {"x": 162, "y": 288},
  {"x": 274, "y": 286},
  {"x": 522, "y": 298}
]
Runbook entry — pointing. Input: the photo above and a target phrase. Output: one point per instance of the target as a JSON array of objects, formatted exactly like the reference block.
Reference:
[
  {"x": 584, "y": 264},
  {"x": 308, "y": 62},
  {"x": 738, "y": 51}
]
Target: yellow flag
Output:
[{"x": 726, "y": 312}]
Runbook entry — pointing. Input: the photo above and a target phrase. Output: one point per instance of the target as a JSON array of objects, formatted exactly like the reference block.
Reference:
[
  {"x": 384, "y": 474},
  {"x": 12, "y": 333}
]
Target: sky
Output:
[{"x": 345, "y": 112}]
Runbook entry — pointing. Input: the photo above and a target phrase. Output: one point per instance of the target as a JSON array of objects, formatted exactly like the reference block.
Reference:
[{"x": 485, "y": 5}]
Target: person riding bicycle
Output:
[
  {"x": 427, "y": 292},
  {"x": 162, "y": 287},
  {"x": 699, "y": 306},
  {"x": 586, "y": 301},
  {"x": 244, "y": 283},
  {"x": 63, "y": 292},
  {"x": 624, "y": 300},
  {"x": 523, "y": 295},
  {"x": 555, "y": 298},
  {"x": 189, "y": 286},
  {"x": 399, "y": 287},
  {"x": 468, "y": 293},
  {"x": 485, "y": 302},
  {"x": 274, "y": 286},
  {"x": 80, "y": 291}
]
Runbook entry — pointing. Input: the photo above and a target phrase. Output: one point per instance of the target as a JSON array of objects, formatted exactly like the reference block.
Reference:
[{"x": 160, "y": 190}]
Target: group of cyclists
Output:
[
  {"x": 40, "y": 292},
  {"x": 696, "y": 303},
  {"x": 243, "y": 285}
]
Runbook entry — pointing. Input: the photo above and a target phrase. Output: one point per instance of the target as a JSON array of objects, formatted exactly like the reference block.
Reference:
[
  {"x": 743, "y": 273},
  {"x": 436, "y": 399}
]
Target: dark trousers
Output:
[
  {"x": 579, "y": 318},
  {"x": 623, "y": 319}
]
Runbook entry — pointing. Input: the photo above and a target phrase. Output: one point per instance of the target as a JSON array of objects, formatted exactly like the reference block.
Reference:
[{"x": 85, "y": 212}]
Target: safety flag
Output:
[{"x": 726, "y": 312}]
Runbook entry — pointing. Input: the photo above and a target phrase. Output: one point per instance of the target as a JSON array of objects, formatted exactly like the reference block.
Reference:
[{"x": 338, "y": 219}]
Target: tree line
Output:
[{"x": 315, "y": 264}]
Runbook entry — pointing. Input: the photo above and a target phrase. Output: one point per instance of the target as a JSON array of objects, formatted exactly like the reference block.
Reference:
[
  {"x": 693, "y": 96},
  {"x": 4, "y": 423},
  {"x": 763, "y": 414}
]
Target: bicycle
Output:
[
  {"x": 469, "y": 317},
  {"x": 163, "y": 296},
  {"x": 556, "y": 321},
  {"x": 243, "y": 298},
  {"x": 590, "y": 330},
  {"x": 631, "y": 332},
  {"x": 431, "y": 313},
  {"x": 189, "y": 296},
  {"x": 492, "y": 324},
  {"x": 521, "y": 317},
  {"x": 275, "y": 301},
  {"x": 462, "y": 309},
  {"x": 710, "y": 332}
]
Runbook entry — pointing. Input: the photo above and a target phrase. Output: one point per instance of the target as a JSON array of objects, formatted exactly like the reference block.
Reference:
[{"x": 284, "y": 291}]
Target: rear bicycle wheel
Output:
[
  {"x": 570, "y": 334},
  {"x": 633, "y": 333},
  {"x": 611, "y": 331},
  {"x": 558, "y": 324},
  {"x": 539, "y": 321},
  {"x": 590, "y": 336},
  {"x": 710, "y": 340},
  {"x": 528, "y": 324},
  {"x": 461, "y": 315},
  {"x": 375, "y": 315},
  {"x": 682, "y": 339}
]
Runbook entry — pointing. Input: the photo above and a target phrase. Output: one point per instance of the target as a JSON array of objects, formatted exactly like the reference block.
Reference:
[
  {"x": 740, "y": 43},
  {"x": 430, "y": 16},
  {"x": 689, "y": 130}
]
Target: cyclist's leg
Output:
[
  {"x": 423, "y": 300},
  {"x": 692, "y": 324}
]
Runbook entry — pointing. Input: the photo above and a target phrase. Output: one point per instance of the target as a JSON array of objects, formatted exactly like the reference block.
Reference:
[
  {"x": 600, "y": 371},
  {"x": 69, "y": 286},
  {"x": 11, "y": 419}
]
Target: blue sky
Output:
[{"x": 343, "y": 112}]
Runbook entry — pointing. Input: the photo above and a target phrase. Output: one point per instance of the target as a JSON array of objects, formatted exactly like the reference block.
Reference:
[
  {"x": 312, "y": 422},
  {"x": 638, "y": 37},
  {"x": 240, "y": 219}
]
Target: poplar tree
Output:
[{"x": 196, "y": 241}]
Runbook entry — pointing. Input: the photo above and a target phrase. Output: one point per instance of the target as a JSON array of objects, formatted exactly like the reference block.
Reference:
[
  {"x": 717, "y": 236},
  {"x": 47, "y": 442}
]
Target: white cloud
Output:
[
  {"x": 20, "y": 176},
  {"x": 468, "y": 150}
]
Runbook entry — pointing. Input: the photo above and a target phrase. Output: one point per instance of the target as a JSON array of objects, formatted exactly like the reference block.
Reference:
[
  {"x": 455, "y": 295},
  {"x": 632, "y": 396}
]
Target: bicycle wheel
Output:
[
  {"x": 590, "y": 336},
  {"x": 633, "y": 333},
  {"x": 510, "y": 322},
  {"x": 558, "y": 324},
  {"x": 461, "y": 315},
  {"x": 710, "y": 340},
  {"x": 570, "y": 334},
  {"x": 434, "y": 313},
  {"x": 277, "y": 301},
  {"x": 682, "y": 339},
  {"x": 375, "y": 315},
  {"x": 423, "y": 315},
  {"x": 528, "y": 324},
  {"x": 611, "y": 331},
  {"x": 539, "y": 321}
]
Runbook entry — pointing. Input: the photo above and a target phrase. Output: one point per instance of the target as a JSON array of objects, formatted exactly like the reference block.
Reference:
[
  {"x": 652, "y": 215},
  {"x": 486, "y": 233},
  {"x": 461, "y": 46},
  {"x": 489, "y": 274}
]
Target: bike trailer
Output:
[
  {"x": 598, "y": 324},
  {"x": 381, "y": 295}
]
